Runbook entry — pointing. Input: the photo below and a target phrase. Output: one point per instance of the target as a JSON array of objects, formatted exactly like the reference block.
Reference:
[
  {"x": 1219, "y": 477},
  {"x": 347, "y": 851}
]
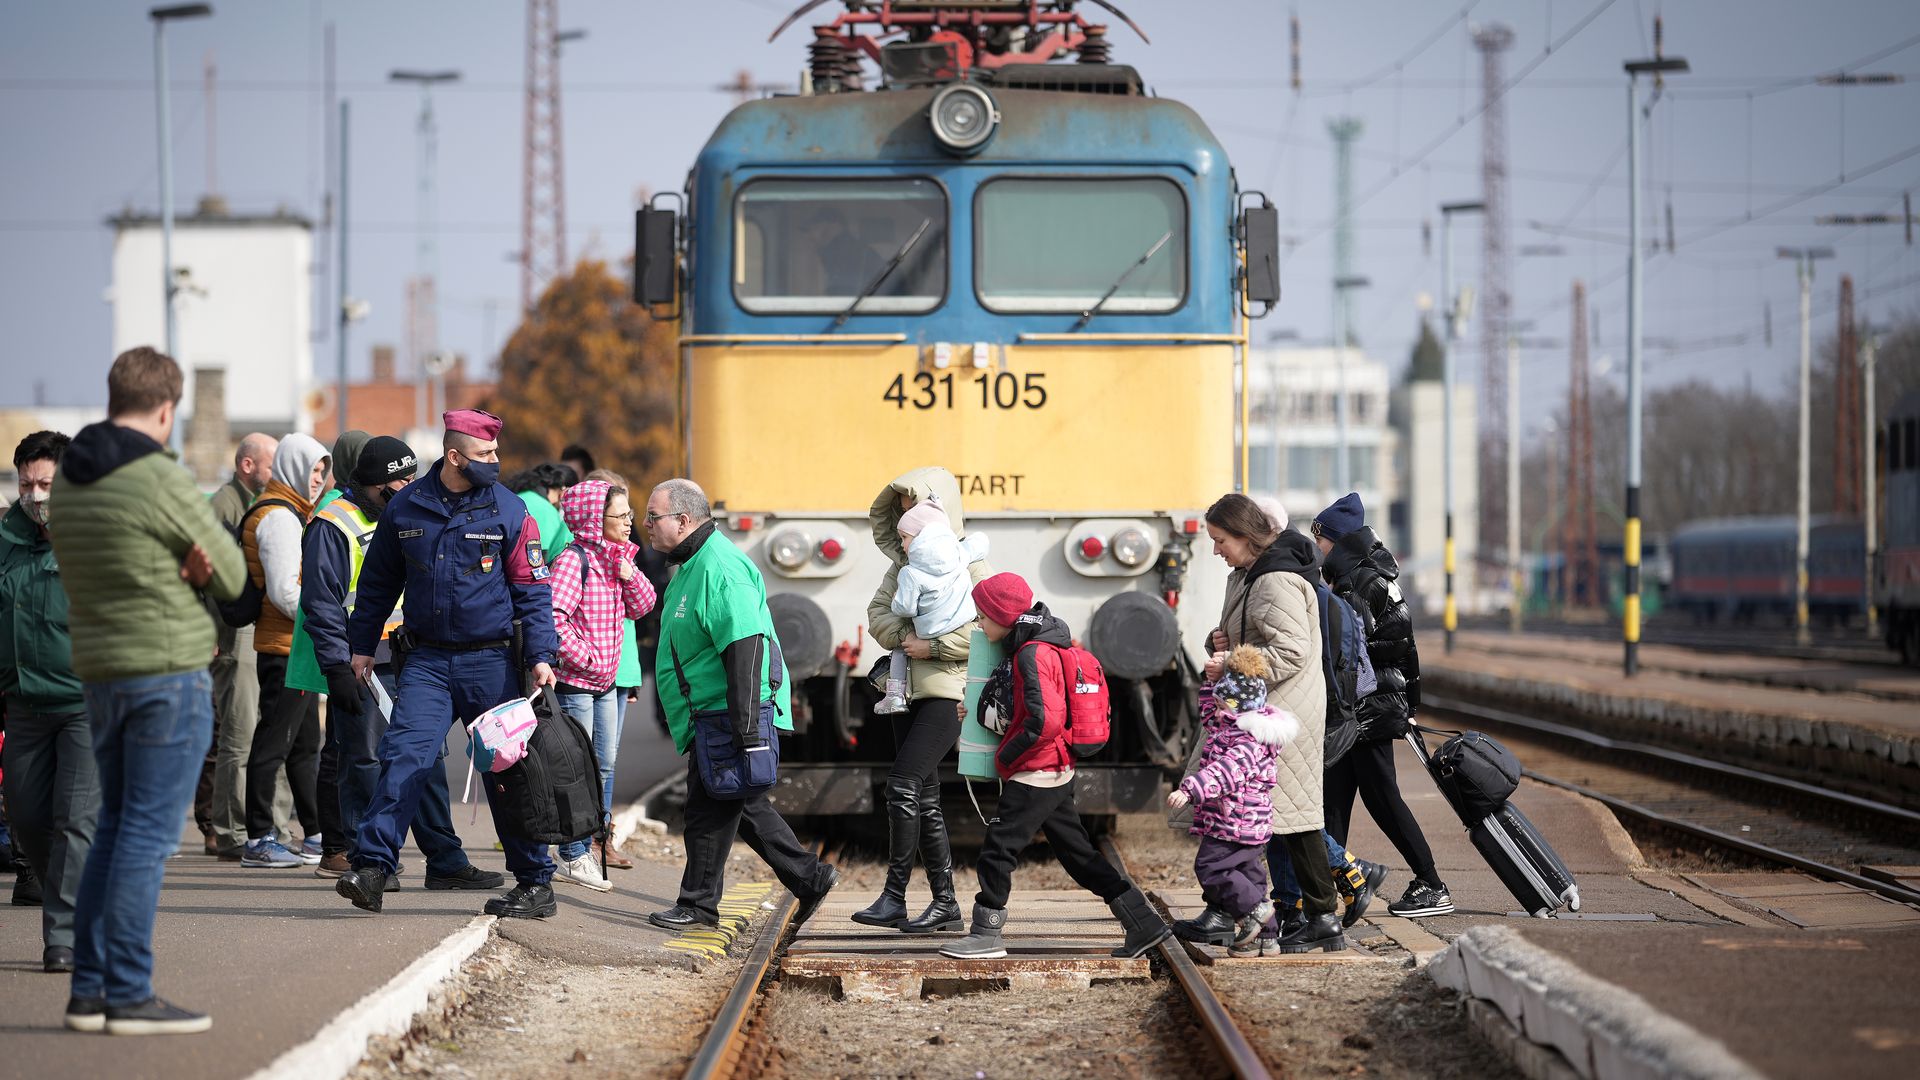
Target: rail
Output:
[
  {"x": 1214, "y": 1017},
  {"x": 720, "y": 1052},
  {"x": 1720, "y": 769}
]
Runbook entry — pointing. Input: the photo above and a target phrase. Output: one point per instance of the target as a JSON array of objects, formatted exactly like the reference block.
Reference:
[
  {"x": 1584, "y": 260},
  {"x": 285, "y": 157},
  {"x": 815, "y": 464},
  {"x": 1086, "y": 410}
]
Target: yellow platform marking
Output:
[{"x": 737, "y": 907}]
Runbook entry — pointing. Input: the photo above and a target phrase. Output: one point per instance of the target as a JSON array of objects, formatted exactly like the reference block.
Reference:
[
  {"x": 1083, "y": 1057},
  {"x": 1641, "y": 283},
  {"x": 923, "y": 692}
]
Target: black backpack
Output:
[
  {"x": 1343, "y": 657},
  {"x": 244, "y": 610},
  {"x": 551, "y": 796},
  {"x": 1475, "y": 773}
]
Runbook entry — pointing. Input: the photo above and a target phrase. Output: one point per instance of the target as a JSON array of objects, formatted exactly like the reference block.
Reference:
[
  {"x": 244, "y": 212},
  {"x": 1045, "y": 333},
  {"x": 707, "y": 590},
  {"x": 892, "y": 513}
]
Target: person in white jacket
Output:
[
  {"x": 289, "y": 729},
  {"x": 934, "y": 589}
]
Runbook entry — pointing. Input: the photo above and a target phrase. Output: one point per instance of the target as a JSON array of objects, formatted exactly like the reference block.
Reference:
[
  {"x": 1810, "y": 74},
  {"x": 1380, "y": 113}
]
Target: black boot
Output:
[
  {"x": 1318, "y": 932},
  {"x": 1212, "y": 927},
  {"x": 524, "y": 902},
  {"x": 366, "y": 886},
  {"x": 1145, "y": 927},
  {"x": 903, "y": 836},
  {"x": 935, "y": 854},
  {"x": 26, "y": 887}
]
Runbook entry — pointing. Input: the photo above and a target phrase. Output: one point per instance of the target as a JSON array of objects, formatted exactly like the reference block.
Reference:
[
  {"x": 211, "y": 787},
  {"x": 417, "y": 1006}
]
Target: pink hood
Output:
[{"x": 583, "y": 507}]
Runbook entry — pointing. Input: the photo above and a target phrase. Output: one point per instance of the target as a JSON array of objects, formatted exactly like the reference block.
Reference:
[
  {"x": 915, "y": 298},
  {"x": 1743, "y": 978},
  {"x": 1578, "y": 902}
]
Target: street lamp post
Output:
[
  {"x": 1341, "y": 286},
  {"x": 1803, "y": 259},
  {"x": 1453, "y": 314},
  {"x": 1869, "y": 345},
  {"x": 1630, "y": 622},
  {"x": 161, "y": 16}
]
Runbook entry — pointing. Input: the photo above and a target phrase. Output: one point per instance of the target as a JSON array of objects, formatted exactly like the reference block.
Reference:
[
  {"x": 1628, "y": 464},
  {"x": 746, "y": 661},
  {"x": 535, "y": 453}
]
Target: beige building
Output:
[{"x": 1419, "y": 513}]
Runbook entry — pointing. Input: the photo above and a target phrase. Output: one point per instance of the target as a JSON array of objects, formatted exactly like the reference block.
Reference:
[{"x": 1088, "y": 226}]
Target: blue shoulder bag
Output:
[{"x": 728, "y": 771}]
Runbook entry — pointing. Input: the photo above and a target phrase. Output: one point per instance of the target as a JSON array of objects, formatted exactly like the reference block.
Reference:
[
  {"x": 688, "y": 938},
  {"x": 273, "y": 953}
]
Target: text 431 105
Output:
[{"x": 1000, "y": 390}]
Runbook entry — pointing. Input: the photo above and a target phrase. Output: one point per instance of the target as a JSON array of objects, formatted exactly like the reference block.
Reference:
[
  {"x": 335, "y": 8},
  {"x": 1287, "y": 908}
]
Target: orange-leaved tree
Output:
[{"x": 589, "y": 366}]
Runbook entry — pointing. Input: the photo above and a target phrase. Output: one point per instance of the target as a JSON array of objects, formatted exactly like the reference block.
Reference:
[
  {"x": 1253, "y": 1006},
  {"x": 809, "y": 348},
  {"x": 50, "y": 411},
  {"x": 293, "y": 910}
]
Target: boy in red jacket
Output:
[{"x": 1027, "y": 693}]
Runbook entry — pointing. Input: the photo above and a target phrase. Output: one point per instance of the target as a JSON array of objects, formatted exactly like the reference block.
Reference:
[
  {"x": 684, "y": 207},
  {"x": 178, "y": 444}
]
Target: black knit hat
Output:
[{"x": 383, "y": 460}]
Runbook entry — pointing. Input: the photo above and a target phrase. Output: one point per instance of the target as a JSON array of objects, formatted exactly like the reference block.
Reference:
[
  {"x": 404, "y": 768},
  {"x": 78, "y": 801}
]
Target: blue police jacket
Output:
[{"x": 470, "y": 563}]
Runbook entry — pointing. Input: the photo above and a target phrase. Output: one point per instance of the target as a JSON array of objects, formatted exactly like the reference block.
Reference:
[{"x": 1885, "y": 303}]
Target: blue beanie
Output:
[{"x": 1343, "y": 517}]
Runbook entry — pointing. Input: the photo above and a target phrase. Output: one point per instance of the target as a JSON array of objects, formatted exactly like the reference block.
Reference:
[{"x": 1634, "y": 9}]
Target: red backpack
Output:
[{"x": 1088, "y": 726}]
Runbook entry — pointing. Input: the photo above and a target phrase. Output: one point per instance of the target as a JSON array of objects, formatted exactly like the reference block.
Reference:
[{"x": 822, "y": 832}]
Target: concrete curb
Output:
[
  {"x": 1603, "y": 1031},
  {"x": 336, "y": 1048}
]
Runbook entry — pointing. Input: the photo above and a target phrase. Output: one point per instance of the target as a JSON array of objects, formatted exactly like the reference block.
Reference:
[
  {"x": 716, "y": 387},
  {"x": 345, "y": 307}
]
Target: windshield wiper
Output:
[
  {"x": 1087, "y": 315},
  {"x": 885, "y": 272}
]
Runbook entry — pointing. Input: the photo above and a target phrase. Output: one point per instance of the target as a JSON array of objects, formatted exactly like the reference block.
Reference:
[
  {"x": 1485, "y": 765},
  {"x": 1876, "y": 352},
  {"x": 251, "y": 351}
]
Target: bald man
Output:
[{"x": 219, "y": 804}]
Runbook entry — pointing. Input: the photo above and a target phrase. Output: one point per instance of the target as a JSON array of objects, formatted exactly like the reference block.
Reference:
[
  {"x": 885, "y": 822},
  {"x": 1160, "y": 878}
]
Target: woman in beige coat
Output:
[{"x": 1271, "y": 606}]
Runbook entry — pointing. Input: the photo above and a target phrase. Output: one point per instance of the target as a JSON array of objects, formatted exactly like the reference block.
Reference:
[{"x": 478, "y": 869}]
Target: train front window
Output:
[
  {"x": 813, "y": 246},
  {"x": 1058, "y": 244}
]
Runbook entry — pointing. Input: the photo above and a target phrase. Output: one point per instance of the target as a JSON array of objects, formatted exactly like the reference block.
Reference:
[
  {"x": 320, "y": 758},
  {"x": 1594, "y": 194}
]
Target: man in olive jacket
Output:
[{"x": 135, "y": 540}]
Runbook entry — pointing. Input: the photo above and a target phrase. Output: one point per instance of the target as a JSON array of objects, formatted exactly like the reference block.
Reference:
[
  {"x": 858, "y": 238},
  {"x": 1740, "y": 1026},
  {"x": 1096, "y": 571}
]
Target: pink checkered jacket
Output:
[
  {"x": 1232, "y": 787},
  {"x": 590, "y": 602}
]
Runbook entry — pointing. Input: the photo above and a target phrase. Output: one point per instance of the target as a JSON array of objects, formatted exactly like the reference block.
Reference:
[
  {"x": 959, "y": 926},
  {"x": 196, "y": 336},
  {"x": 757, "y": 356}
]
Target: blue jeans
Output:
[
  {"x": 1286, "y": 888},
  {"x": 436, "y": 686},
  {"x": 150, "y": 735},
  {"x": 357, "y": 741},
  {"x": 599, "y": 715}
]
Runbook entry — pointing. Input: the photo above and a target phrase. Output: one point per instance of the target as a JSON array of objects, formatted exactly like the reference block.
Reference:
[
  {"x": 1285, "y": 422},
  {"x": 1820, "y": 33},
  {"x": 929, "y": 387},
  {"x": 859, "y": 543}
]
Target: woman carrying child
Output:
[{"x": 935, "y": 680}]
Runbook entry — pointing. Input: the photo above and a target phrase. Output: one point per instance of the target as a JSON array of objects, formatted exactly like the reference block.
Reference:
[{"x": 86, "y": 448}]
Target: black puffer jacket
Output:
[{"x": 1362, "y": 572}]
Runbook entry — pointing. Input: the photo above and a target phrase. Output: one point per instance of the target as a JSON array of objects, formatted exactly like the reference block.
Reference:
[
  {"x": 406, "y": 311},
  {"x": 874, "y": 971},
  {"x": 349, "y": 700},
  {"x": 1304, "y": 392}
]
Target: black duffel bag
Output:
[
  {"x": 1475, "y": 773},
  {"x": 551, "y": 796}
]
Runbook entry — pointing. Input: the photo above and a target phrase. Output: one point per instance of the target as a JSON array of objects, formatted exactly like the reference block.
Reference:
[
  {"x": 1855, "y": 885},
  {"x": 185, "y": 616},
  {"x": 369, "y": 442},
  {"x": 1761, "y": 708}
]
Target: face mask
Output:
[
  {"x": 480, "y": 473},
  {"x": 36, "y": 507}
]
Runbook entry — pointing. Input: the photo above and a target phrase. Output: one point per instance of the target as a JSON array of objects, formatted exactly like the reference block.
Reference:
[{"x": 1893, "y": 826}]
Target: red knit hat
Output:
[{"x": 1003, "y": 598}]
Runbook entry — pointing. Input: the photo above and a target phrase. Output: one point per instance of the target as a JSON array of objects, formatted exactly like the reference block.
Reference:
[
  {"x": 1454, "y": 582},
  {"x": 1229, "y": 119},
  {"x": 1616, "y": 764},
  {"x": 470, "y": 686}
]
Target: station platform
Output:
[
  {"x": 296, "y": 978},
  {"x": 1858, "y": 727},
  {"x": 1786, "y": 975}
]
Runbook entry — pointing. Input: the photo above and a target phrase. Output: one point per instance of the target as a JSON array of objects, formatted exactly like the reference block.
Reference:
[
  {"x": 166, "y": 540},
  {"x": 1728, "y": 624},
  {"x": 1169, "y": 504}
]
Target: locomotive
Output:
[
  {"x": 1897, "y": 563},
  {"x": 972, "y": 241}
]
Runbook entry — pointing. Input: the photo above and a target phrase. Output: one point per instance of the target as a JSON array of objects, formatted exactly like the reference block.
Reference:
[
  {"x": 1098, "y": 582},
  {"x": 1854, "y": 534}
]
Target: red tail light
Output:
[
  {"x": 831, "y": 550},
  {"x": 1190, "y": 526},
  {"x": 1092, "y": 548}
]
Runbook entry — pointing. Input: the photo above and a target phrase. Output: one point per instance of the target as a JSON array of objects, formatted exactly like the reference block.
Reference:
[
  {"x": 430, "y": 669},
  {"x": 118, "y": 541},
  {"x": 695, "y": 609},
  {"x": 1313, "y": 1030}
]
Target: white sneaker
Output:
[{"x": 584, "y": 872}]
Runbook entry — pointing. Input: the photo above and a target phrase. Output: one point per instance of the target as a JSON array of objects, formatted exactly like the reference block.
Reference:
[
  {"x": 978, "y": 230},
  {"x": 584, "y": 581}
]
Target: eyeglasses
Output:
[
  {"x": 626, "y": 517},
  {"x": 651, "y": 518}
]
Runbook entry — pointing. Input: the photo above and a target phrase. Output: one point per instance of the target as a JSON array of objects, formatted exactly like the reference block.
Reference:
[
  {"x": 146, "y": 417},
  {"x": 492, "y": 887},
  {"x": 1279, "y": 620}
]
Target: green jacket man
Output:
[{"x": 714, "y": 629}]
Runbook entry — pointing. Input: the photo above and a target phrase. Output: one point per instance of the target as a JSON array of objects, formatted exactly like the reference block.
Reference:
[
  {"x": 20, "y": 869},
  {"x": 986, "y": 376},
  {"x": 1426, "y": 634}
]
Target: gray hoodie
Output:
[{"x": 280, "y": 529}]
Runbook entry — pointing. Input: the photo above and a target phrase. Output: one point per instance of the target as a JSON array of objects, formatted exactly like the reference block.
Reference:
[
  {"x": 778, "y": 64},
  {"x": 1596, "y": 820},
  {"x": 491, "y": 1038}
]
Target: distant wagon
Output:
[{"x": 1741, "y": 570}]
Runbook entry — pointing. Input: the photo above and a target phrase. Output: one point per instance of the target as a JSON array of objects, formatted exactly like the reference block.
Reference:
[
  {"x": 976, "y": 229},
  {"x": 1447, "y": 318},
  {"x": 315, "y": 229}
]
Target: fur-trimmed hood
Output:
[{"x": 1269, "y": 725}]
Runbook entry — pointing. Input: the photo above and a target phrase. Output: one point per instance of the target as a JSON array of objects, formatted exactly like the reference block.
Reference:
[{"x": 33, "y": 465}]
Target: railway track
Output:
[
  {"x": 1826, "y": 646},
  {"x": 730, "y": 1048},
  {"x": 1775, "y": 819}
]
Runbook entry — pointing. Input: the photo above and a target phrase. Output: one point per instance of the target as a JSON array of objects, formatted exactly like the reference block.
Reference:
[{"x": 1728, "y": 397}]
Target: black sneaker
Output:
[
  {"x": 86, "y": 1014},
  {"x": 1376, "y": 876},
  {"x": 1421, "y": 901},
  {"x": 524, "y": 902},
  {"x": 26, "y": 887},
  {"x": 155, "y": 1017},
  {"x": 680, "y": 917},
  {"x": 56, "y": 959},
  {"x": 468, "y": 877}
]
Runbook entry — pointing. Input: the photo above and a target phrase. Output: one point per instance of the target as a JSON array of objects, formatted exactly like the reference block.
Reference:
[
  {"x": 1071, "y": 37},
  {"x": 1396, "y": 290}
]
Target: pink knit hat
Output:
[{"x": 924, "y": 513}]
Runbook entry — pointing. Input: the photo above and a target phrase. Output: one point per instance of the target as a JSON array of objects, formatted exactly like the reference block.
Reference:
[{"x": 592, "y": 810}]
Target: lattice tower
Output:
[
  {"x": 1496, "y": 303},
  {"x": 543, "y": 192}
]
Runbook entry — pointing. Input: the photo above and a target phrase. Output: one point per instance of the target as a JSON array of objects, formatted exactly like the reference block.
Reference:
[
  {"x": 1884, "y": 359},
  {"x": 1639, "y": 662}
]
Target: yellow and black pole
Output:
[
  {"x": 1451, "y": 311},
  {"x": 1630, "y": 621}
]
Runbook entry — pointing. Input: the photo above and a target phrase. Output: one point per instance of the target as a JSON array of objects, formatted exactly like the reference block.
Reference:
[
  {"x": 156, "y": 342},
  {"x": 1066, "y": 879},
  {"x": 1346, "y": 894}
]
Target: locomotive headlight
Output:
[
  {"x": 963, "y": 118},
  {"x": 789, "y": 549},
  {"x": 1132, "y": 547}
]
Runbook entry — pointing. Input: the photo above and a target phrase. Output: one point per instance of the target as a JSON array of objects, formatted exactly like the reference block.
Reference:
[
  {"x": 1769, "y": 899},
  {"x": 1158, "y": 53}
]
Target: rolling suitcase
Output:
[{"x": 1523, "y": 860}]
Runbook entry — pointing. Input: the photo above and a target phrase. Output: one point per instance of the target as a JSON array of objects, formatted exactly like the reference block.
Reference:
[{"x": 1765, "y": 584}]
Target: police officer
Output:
[
  {"x": 468, "y": 556},
  {"x": 331, "y": 556},
  {"x": 714, "y": 647}
]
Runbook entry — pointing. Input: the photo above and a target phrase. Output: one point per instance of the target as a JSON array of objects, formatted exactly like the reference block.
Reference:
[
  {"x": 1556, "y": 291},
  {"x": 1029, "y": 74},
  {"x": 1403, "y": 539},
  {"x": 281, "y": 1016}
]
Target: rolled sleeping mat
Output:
[{"x": 977, "y": 744}]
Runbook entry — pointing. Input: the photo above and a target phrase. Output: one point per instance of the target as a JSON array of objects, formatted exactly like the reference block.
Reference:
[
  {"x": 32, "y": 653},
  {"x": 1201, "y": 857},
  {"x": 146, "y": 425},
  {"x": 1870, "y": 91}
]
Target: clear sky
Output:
[{"x": 1746, "y": 136}]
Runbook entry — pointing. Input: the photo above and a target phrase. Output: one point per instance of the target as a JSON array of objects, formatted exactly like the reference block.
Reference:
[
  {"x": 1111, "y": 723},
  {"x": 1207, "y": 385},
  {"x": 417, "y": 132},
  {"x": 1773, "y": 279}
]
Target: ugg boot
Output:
[
  {"x": 895, "y": 701},
  {"x": 943, "y": 915},
  {"x": 1145, "y": 927},
  {"x": 984, "y": 942}
]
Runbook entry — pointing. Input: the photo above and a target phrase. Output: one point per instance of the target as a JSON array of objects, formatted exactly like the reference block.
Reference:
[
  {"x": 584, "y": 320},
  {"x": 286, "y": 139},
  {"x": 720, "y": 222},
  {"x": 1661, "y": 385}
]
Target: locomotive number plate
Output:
[{"x": 988, "y": 390}]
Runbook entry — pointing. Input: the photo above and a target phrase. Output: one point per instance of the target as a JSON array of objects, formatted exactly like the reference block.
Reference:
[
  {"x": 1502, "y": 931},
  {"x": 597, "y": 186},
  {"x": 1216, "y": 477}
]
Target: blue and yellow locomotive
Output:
[{"x": 1033, "y": 274}]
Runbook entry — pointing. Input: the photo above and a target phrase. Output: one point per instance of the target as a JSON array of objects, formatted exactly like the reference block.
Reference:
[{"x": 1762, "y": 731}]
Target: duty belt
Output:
[{"x": 406, "y": 641}]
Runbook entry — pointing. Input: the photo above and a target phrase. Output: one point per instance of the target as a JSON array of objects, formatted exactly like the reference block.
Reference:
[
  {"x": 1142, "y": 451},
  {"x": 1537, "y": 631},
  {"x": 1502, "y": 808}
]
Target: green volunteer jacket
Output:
[
  {"x": 125, "y": 516},
  {"x": 36, "y": 653},
  {"x": 716, "y": 599},
  {"x": 554, "y": 534}
]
